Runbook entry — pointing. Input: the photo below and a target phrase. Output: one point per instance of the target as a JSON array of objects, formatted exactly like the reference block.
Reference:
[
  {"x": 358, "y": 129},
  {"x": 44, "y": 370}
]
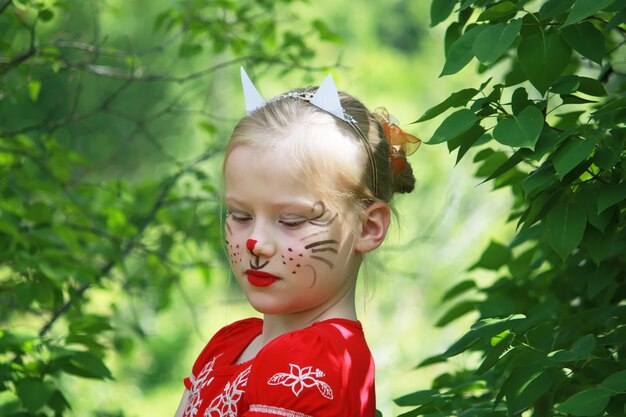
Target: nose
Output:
[
  {"x": 260, "y": 243},
  {"x": 260, "y": 248}
]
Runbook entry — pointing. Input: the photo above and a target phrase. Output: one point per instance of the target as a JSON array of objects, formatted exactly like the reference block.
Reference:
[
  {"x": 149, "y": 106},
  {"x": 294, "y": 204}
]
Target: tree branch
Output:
[
  {"x": 132, "y": 243},
  {"x": 4, "y": 5}
]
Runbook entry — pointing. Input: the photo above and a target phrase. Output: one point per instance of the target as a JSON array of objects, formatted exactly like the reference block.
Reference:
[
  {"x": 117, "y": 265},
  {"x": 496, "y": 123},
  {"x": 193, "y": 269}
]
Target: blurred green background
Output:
[{"x": 127, "y": 132}]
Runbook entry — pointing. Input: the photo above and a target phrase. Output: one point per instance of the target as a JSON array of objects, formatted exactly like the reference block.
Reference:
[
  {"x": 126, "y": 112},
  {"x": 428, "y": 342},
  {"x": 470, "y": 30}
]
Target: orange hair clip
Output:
[{"x": 401, "y": 144}]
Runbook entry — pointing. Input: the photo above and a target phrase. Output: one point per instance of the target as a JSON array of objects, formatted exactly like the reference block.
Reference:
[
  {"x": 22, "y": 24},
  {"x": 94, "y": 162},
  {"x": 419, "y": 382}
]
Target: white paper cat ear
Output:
[
  {"x": 327, "y": 98},
  {"x": 252, "y": 97}
]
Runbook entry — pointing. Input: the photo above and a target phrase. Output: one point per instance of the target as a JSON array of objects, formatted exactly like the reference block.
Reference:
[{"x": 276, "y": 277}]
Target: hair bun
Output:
[{"x": 404, "y": 181}]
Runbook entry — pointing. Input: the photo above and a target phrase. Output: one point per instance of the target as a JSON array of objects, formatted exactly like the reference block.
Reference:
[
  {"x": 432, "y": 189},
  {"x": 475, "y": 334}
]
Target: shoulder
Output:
[
  {"x": 227, "y": 341},
  {"x": 323, "y": 339},
  {"x": 238, "y": 329},
  {"x": 320, "y": 370}
]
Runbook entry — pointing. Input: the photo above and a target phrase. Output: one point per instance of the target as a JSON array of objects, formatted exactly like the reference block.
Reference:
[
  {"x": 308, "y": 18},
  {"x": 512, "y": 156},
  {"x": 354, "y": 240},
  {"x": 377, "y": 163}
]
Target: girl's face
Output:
[{"x": 290, "y": 251}]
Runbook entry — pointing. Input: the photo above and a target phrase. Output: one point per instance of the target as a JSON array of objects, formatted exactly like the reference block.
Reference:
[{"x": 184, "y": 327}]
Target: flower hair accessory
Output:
[{"x": 401, "y": 144}]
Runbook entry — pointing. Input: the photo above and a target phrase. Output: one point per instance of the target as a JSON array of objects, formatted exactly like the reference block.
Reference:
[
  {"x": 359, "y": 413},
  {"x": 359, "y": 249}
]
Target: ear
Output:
[{"x": 374, "y": 222}]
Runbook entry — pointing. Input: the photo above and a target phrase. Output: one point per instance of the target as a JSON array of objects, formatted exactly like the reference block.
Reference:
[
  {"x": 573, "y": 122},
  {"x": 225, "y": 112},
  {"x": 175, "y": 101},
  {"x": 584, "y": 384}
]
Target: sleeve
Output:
[{"x": 300, "y": 375}]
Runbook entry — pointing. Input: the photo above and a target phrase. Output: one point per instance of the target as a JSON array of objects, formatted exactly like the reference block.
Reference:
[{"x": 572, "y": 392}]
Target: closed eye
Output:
[
  {"x": 238, "y": 216},
  {"x": 292, "y": 223}
]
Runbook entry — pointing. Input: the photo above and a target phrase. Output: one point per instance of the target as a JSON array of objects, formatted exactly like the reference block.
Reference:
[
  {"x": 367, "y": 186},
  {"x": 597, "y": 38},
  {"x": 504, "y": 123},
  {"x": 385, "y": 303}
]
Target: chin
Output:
[{"x": 271, "y": 307}]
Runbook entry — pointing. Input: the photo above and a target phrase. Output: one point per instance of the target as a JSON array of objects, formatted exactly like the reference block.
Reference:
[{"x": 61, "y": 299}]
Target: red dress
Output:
[{"x": 325, "y": 369}]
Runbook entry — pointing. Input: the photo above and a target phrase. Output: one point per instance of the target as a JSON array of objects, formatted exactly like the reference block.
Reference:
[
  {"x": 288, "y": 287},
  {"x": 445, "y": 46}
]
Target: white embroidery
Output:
[
  {"x": 300, "y": 378},
  {"x": 197, "y": 383},
  {"x": 225, "y": 404},
  {"x": 268, "y": 409}
]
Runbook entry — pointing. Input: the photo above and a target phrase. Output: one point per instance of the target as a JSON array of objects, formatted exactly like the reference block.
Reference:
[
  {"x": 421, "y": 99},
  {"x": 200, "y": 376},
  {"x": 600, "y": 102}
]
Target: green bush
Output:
[{"x": 549, "y": 125}]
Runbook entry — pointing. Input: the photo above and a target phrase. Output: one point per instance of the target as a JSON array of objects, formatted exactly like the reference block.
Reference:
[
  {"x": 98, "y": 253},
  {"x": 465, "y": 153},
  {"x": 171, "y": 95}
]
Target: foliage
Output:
[
  {"x": 551, "y": 128},
  {"x": 80, "y": 105}
]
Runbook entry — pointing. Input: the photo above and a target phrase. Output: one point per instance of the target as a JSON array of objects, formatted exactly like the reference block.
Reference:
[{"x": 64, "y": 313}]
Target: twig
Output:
[
  {"x": 132, "y": 243},
  {"x": 4, "y": 5}
]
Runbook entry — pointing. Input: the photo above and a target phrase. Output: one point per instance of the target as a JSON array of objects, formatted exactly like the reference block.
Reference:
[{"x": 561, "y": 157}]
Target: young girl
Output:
[{"x": 308, "y": 179}]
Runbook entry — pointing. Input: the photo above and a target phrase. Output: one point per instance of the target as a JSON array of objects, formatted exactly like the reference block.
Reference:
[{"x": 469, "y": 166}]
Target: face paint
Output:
[{"x": 250, "y": 244}]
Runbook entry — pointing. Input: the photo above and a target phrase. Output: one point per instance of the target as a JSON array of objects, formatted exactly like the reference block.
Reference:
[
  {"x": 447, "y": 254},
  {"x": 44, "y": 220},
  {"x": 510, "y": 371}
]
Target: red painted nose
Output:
[{"x": 250, "y": 244}]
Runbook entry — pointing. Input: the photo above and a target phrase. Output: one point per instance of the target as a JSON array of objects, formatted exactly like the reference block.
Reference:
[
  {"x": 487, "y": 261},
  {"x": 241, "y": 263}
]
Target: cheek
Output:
[
  {"x": 233, "y": 246},
  {"x": 294, "y": 258}
]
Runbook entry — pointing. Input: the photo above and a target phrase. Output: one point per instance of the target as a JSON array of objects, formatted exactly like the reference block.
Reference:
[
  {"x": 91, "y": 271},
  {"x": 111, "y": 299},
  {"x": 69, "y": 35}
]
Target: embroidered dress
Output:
[{"x": 323, "y": 370}]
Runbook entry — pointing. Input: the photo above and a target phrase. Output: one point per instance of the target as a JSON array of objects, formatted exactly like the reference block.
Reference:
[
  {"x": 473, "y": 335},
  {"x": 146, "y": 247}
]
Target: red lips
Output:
[{"x": 260, "y": 278}]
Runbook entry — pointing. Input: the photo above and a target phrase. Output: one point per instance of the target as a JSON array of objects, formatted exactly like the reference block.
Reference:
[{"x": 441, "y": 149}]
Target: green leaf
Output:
[
  {"x": 566, "y": 84},
  {"x": 460, "y": 98},
  {"x": 585, "y": 39},
  {"x": 495, "y": 354},
  {"x": 325, "y": 32},
  {"x": 188, "y": 50},
  {"x": 485, "y": 328},
  {"x": 587, "y": 198},
  {"x": 87, "y": 365},
  {"x": 565, "y": 227},
  {"x": 46, "y": 15},
  {"x": 611, "y": 195},
  {"x": 572, "y": 99},
  {"x": 456, "y": 311},
  {"x": 574, "y": 151},
  {"x": 494, "y": 257},
  {"x": 616, "y": 20},
  {"x": 453, "y": 32},
  {"x": 460, "y": 288},
  {"x": 585, "y": 8},
  {"x": 460, "y": 53},
  {"x": 495, "y": 40},
  {"x": 553, "y": 8},
  {"x": 610, "y": 107},
  {"x": 543, "y": 58},
  {"x": 591, "y": 87},
  {"x": 491, "y": 161},
  {"x": 417, "y": 398},
  {"x": 581, "y": 349},
  {"x": 589, "y": 402},
  {"x": 34, "y": 88},
  {"x": 615, "y": 382},
  {"x": 525, "y": 385},
  {"x": 454, "y": 125},
  {"x": 498, "y": 11},
  {"x": 521, "y": 130},
  {"x": 472, "y": 137},
  {"x": 440, "y": 10},
  {"x": 431, "y": 361},
  {"x": 510, "y": 163},
  {"x": 539, "y": 180},
  {"x": 519, "y": 100},
  {"x": 34, "y": 392}
]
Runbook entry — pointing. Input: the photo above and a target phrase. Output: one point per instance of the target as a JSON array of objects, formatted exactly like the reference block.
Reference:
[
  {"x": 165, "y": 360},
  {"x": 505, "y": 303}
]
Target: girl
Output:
[{"x": 308, "y": 179}]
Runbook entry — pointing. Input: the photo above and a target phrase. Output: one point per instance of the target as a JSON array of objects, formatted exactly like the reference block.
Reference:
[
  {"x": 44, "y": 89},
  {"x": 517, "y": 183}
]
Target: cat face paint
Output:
[{"x": 290, "y": 253}]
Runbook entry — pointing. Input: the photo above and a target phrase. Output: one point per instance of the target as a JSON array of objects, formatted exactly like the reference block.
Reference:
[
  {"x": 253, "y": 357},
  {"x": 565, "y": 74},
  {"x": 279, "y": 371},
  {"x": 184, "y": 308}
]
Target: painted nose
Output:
[{"x": 265, "y": 249}]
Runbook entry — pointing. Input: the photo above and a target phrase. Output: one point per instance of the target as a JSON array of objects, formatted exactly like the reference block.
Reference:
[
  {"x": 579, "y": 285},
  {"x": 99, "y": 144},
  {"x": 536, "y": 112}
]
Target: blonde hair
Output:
[{"x": 325, "y": 149}]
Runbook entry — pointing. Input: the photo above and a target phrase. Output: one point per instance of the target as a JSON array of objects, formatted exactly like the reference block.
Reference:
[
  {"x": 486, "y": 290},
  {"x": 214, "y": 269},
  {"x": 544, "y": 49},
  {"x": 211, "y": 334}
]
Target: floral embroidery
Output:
[
  {"x": 278, "y": 411},
  {"x": 225, "y": 404},
  {"x": 197, "y": 384},
  {"x": 300, "y": 378}
]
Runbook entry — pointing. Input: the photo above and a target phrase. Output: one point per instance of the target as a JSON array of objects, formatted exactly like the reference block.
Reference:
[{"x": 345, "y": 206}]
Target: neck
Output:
[{"x": 275, "y": 325}]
